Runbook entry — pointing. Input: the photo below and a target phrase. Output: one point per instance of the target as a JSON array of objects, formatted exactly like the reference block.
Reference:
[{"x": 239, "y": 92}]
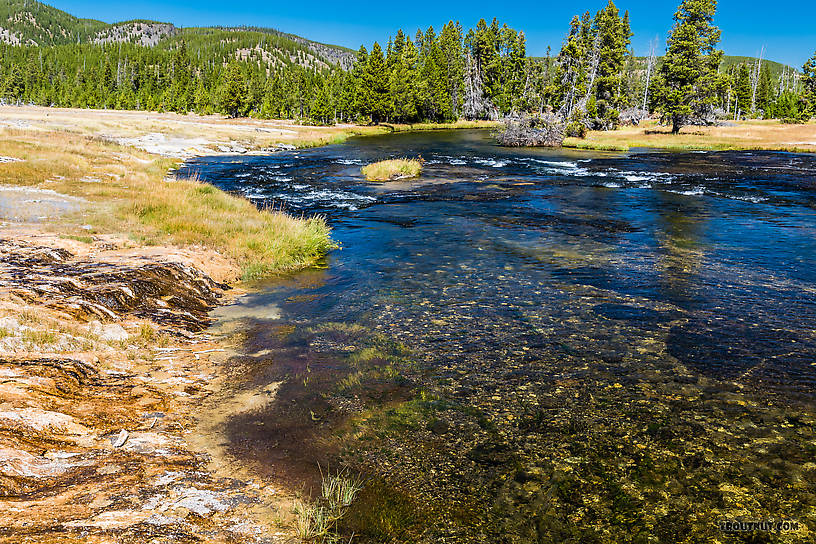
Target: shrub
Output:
[
  {"x": 546, "y": 130},
  {"x": 576, "y": 129}
]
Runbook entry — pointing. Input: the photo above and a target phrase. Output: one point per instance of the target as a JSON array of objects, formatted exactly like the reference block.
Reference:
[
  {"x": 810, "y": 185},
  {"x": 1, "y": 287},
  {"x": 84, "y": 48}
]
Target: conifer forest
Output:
[{"x": 592, "y": 81}]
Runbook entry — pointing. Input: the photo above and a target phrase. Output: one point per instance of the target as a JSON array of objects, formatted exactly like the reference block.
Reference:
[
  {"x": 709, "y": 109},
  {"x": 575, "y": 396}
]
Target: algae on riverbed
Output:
[{"x": 617, "y": 350}]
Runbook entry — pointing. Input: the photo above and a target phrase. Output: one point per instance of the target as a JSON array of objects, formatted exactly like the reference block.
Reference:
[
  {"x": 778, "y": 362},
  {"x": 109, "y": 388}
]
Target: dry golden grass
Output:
[
  {"x": 250, "y": 133},
  {"x": 392, "y": 169},
  {"x": 747, "y": 135},
  {"x": 127, "y": 193}
]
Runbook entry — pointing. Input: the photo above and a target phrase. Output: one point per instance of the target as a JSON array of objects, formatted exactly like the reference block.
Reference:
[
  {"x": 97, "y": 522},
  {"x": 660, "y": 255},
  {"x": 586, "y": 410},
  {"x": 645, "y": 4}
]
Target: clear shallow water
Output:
[{"x": 538, "y": 345}]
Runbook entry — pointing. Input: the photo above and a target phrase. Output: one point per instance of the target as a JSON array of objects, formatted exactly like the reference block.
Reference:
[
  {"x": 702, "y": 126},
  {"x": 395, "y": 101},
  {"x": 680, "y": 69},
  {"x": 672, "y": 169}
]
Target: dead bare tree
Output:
[
  {"x": 649, "y": 66},
  {"x": 593, "y": 65},
  {"x": 755, "y": 78},
  {"x": 782, "y": 81},
  {"x": 475, "y": 104},
  {"x": 569, "y": 81}
]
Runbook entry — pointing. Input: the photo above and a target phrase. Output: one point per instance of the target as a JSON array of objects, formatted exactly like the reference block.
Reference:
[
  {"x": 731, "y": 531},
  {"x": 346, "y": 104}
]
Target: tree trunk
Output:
[{"x": 676, "y": 125}]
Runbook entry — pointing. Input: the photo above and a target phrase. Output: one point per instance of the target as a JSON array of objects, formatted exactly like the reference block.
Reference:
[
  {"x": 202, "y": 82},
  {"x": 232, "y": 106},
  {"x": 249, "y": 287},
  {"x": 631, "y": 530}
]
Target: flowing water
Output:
[{"x": 540, "y": 345}]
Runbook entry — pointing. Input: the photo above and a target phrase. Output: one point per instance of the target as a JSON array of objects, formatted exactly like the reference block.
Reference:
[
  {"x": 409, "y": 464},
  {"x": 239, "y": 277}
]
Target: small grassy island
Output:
[{"x": 392, "y": 169}]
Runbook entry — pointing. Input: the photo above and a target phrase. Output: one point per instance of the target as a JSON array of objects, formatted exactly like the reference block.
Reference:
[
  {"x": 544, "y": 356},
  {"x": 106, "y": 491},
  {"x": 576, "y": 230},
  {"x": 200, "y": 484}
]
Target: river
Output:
[{"x": 530, "y": 345}]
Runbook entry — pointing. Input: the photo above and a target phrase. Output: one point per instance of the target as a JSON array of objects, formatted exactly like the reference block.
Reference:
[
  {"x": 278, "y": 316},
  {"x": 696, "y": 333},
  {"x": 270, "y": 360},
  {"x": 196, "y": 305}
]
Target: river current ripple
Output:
[{"x": 541, "y": 345}]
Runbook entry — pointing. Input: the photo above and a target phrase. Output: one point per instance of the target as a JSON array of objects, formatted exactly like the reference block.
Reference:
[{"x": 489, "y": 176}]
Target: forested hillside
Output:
[
  {"x": 32, "y": 23},
  {"x": 593, "y": 81}
]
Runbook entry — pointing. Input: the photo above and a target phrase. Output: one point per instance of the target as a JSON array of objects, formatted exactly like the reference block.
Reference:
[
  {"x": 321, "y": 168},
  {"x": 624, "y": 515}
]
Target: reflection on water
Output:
[{"x": 538, "y": 345}]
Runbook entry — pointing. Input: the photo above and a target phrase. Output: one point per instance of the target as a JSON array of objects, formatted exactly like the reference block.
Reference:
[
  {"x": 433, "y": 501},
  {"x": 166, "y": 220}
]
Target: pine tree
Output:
[
  {"x": 13, "y": 86},
  {"x": 201, "y": 98},
  {"x": 322, "y": 109},
  {"x": 516, "y": 68},
  {"x": 786, "y": 107},
  {"x": 450, "y": 44},
  {"x": 435, "y": 98},
  {"x": 809, "y": 88},
  {"x": 358, "y": 83},
  {"x": 403, "y": 79},
  {"x": 182, "y": 79},
  {"x": 613, "y": 40},
  {"x": 688, "y": 79},
  {"x": 742, "y": 90},
  {"x": 376, "y": 82},
  {"x": 763, "y": 95},
  {"x": 233, "y": 90},
  {"x": 570, "y": 75}
]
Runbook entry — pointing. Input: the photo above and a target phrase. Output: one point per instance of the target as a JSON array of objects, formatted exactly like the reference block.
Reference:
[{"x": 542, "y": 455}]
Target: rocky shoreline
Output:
[{"x": 104, "y": 362}]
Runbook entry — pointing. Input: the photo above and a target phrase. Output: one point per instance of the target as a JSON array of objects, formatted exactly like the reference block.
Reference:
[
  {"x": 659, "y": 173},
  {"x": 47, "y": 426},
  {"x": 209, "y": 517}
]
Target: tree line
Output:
[{"x": 593, "y": 82}]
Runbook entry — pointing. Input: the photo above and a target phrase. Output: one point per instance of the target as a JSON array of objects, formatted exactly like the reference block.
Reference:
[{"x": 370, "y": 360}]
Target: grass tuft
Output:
[
  {"x": 263, "y": 242},
  {"x": 318, "y": 519},
  {"x": 392, "y": 169}
]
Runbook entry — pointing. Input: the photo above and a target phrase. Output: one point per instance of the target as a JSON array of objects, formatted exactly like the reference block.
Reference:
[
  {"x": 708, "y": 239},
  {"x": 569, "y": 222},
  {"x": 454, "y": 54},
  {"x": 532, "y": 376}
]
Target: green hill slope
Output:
[
  {"x": 728, "y": 61},
  {"x": 776, "y": 68},
  {"x": 26, "y": 22},
  {"x": 35, "y": 23}
]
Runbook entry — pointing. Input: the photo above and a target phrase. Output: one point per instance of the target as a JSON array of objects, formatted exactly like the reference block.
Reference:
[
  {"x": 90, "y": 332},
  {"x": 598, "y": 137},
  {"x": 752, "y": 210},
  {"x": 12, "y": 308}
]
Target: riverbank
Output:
[
  {"x": 111, "y": 265},
  {"x": 753, "y": 135},
  {"x": 455, "y": 125},
  {"x": 109, "y": 269}
]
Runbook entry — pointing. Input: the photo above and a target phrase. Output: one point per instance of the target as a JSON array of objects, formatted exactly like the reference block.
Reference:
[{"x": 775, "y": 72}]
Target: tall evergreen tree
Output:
[
  {"x": 613, "y": 40},
  {"x": 450, "y": 44},
  {"x": 688, "y": 78},
  {"x": 182, "y": 79},
  {"x": 322, "y": 109},
  {"x": 376, "y": 83},
  {"x": 233, "y": 90},
  {"x": 359, "y": 87},
  {"x": 570, "y": 74},
  {"x": 403, "y": 80},
  {"x": 742, "y": 90},
  {"x": 809, "y": 87}
]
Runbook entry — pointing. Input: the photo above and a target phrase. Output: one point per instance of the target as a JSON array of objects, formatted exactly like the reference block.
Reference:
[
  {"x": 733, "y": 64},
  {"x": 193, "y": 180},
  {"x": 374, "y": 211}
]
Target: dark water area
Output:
[{"x": 541, "y": 345}]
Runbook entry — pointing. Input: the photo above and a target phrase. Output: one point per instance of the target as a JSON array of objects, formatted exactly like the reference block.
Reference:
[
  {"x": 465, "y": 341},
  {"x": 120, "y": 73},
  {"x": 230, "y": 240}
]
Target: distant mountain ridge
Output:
[
  {"x": 32, "y": 23},
  {"x": 342, "y": 56},
  {"x": 27, "y": 22}
]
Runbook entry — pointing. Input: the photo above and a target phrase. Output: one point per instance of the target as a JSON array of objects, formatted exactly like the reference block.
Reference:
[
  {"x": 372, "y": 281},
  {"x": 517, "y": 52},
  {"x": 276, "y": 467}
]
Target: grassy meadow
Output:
[
  {"x": 767, "y": 135},
  {"x": 127, "y": 192}
]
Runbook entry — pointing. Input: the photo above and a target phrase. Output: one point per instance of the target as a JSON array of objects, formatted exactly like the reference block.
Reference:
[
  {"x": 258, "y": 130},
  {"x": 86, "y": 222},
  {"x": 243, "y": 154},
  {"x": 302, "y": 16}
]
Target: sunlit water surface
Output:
[{"x": 539, "y": 345}]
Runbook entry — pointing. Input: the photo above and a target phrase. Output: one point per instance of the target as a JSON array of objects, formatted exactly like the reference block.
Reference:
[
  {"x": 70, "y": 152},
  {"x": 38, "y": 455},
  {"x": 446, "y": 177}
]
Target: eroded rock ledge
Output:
[
  {"x": 167, "y": 293},
  {"x": 103, "y": 360}
]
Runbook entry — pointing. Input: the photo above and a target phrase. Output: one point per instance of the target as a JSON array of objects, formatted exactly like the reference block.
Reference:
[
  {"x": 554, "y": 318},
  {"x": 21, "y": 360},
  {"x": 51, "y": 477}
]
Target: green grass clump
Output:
[
  {"x": 39, "y": 338},
  {"x": 318, "y": 519},
  {"x": 263, "y": 242},
  {"x": 392, "y": 169}
]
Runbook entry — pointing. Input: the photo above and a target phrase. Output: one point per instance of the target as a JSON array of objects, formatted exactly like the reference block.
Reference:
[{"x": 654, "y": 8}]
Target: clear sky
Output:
[{"x": 787, "y": 28}]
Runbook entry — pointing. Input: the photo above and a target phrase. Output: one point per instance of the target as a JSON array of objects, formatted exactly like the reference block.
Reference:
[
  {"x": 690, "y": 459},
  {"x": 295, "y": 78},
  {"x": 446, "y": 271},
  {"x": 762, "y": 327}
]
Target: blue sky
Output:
[{"x": 787, "y": 28}]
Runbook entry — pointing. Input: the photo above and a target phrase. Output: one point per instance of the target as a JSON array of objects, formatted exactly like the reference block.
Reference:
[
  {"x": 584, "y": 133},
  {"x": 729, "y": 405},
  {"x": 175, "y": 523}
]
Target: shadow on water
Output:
[{"x": 538, "y": 345}]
